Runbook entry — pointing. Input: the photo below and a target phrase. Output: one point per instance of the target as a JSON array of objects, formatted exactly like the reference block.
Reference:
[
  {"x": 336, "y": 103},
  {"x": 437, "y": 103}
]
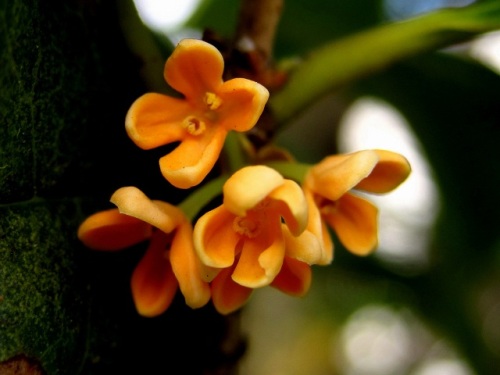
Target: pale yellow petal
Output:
[
  {"x": 391, "y": 170},
  {"x": 249, "y": 186},
  {"x": 318, "y": 228},
  {"x": 215, "y": 240},
  {"x": 261, "y": 258},
  {"x": 306, "y": 247},
  {"x": 133, "y": 202},
  {"x": 292, "y": 206},
  {"x": 337, "y": 174}
]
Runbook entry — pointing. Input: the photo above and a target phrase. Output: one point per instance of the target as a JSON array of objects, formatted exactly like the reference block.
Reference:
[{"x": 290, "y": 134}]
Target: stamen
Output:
[
  {"x": 212, "y": 100},
  {"x": 328, "y": 207},
  {"x": 246, "y": 226},
  {"x": 194, "y": 125}
]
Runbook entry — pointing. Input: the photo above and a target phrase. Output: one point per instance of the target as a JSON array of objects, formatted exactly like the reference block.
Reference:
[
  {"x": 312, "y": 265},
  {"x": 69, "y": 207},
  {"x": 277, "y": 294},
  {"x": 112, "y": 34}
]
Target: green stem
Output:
[
  {"x": 151, "y": 48},
  {"x": 341, "y": 62},
  {"x": 192, "y": 205},
  {"x": 235, "y": 157},
  {"x": 294, "y": 171}
]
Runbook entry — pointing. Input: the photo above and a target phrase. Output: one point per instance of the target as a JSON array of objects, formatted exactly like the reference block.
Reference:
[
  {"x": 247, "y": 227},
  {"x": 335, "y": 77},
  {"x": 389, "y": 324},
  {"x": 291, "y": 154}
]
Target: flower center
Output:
[
  {"x": 251, "y": 225},
  {"x": 194, "y": 125},
  {"x": 326, "y": 206},
  {"x": 212, "y": 101},
  {"x": 246, "y": 226}
]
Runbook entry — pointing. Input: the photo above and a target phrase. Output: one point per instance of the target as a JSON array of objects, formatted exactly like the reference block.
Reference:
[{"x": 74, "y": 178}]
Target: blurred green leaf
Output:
[
  {"x": 452, "y": 105},
  {"x": 220, "y": 16},
  {"x": 351, "y": 58}
]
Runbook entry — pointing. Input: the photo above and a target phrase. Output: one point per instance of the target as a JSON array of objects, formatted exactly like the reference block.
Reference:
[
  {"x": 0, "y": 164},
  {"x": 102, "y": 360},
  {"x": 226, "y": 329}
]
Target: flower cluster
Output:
[{"x": 269, "y": 229}]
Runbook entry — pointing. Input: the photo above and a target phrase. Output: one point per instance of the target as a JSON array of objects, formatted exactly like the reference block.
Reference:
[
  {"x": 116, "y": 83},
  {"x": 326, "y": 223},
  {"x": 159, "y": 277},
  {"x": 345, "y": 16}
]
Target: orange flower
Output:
[
  {"x": 247, "y": 230},
  {"x": 169, "y": 262},
  {"x": 354, "y": 219},
  {"x": 199, "y": 121},
  {"x": 294, "y": 279}
]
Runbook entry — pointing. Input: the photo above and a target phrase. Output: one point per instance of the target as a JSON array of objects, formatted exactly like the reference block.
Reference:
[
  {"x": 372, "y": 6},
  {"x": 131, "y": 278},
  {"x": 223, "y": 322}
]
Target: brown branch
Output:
[
  {"x": 258, "y": 20},
  {"x": 251, "y": 55}
]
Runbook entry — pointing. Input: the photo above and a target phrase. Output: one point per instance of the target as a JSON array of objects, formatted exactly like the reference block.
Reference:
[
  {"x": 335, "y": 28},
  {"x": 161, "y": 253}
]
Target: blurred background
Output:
[{"x": 427, "y": 302}]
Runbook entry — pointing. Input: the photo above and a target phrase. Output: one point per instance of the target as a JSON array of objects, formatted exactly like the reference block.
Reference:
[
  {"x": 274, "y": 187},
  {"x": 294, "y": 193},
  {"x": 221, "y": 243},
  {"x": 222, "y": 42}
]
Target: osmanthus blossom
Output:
[
  {"x": 170, "y": 262},
  {"x": 256, "y": 238},
  {"x": 201, "y": 120},
  {"x": 327, "y": 187},
  {"x": 294, "y": 279}
]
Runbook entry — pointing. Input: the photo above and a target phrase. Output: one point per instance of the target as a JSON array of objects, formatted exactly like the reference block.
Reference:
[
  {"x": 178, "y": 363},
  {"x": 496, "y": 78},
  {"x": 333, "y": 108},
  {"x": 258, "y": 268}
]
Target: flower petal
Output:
[
  {"x": 188, "y": 164},
  {"x": 249, "y": 186},
  {"x": 391, "y": 170},
  {"x": 294, "y": 278},
  {"x": 131, "y": 201},
  {"x": 243, "y": 101},
  {"x": 337, "y": 174},
  {"x": 110, "y": 230},
  {"x": 228, "y": 296},
  {"x": 153, "y": 283},
  {"x": 155, "y": 120},
  {"x": 261, "y": 258},
  {"x": 187, "y": 267},
  {"x": 194, "y": 68},
  {"x": 354, "y": 219},
  {"x": 318, "y": 228},
  {"x": 215, "y": 240},
  {"x": 306, "y": 247},
  {"x": 292, "y": 205}
]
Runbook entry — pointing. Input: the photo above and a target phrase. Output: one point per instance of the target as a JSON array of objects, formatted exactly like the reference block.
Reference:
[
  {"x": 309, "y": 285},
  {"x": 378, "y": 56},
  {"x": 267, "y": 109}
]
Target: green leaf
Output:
[
  {"x": 349, "y": 59},
  {"x": 452, "y": 105}
]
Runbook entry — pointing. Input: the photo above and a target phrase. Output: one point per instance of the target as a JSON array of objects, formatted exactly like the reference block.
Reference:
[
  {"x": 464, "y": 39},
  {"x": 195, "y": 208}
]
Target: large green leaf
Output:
[{"x": 340, "y": 62}]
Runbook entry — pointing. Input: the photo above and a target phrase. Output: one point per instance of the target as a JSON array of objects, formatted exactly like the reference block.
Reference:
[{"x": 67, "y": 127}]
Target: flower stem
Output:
[
  {"x": 192, "y": 205},
  {"x": 234, "y": 153},
  {"x": 292, "y": 170}
]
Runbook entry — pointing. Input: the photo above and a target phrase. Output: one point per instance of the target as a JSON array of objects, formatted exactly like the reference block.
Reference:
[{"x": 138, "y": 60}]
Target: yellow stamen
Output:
[
  {"x": 246, "y": 226},
  {"x": 328, "y": 207},
  {"x": 194, "y": 125},
  {"x": 212, "y": 100}
]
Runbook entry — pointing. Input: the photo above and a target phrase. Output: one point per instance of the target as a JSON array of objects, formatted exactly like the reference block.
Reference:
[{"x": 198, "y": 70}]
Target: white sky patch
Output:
[
  {"x": 165, "y": 15},
  {"x": 407, "y": 213},
  {"x": 486, "y": 49}
]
